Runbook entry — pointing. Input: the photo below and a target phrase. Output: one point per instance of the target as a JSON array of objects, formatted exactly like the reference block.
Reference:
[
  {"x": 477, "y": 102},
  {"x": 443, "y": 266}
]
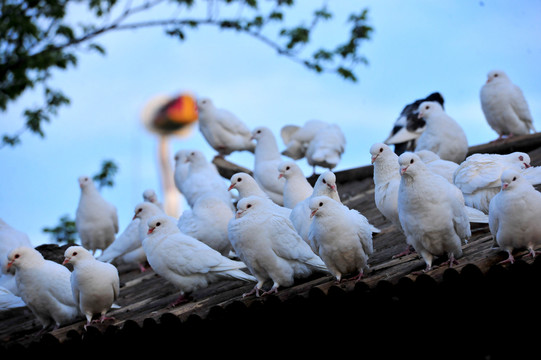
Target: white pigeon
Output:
[
  {"x": 151, "y": 196},
  {"x": 408, "y": 126},
  {"x": 181, "y": 167},
  {"x": 478, "y": 177},
  {"x": 268, "y": 244},
  {"x": 386, "y": 181},
  {"x": 45, "y": 287},
  {"x": 96, "y": 219},
  {"x": 296, "y": 138},
  {"x": 442, "y": 134},
  {"x": 514, "y": 215},
  {"x": 326, "y": 148},
  {"x": 431, "y": 211},
  {"x": 203, "y": 179},
  {"x": 266, "y": 161},
  {"x": 438, "y": 165},
  {"x": 10, "y": 238},
  {"x": 187, "y": 263},
  {"x": 223, "y": 130},
  {"x": 246, "y": 185},
  {"x": 95, "y": 284},
  {"x": 504, "y": 106},
  {"x": 296, "y": 188},
  {"x": 342, "y": 237},
  {"x": 132, "y": 237},
  {"x": 207, "y": 222},
  {"x": 300, "y": 214}
]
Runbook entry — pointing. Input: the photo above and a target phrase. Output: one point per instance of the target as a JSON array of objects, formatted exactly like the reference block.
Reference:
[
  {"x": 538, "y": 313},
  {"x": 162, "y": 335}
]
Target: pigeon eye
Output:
[
  {"x": 495, "y": 75},
  {"x": 248, "y": 206},
  {"x": 411, "y": 161},
  {"x": 75, "y": 253},
  {"x": 158, "y": 224},
  {"x": 324, "y": 182},
  {"x": 381, "y": 150},
  {"x": 514, "y": 178},
  {"x": 321, "y": 203},
  {"x": 287, "y": 168},
  {"x": 17, "y": 256},
  {"x": 521, "y": 158},
  {"x": 240, "y": 179}
]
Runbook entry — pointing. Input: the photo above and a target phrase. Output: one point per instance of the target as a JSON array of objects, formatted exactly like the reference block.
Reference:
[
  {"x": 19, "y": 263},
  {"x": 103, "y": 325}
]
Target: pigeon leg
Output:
[
  {"x": 510, "y": 259},
  {"x": 273, "y": 289},
  {"x": 409, "y": 250},
  {"x": 180, "y": 300}
]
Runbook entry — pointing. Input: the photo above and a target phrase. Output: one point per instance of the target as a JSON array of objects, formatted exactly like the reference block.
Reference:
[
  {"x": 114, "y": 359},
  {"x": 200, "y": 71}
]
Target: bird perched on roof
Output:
[
  {"x": 95, "y": 284},
  {"x": 96, "y": 219},
  {"x": 514, "y": 215},
  {"x": 268, "y": 244},
  {"x": 478, "y": 177},
  {"x": 131, "y": 239},
  {"x": 207, "y": 222},
  {"x": 431, "y": 211},
  {"x": 266, "y": 162},
  {"x": 438, "y": 165},
  {"x": 342, "y": 237},
  {"x": 296, "y": 187},
  {"x": 223, "y": 130},
  {"x": 45, "y": 287},
  {"x": 202, "y": 179},
  {"x": 150, "y": 195},
  {"x": 187, "y": 263},
  {"x": 10, "y": 238},
  {"x": 297, "y": 138},
  {"x": 504, "y": 106},
  {"x": 326, "y": 148},
  {"x": 408, "y": 126},
  {"x": 181, "y": 167},
  {"x": 247, "y": 186},
  {"x": 300, "y": 214},
  {"x": 442, "y": 134}
]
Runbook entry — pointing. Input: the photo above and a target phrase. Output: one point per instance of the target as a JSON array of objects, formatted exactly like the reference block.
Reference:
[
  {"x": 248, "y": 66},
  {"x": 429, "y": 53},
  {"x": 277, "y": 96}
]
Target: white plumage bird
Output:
[
  {"x": 504, "y": 106},
  {"x": 96, "y": 219},
  {"x": 478, "y": 177},
  {"x": 342, "y": 237},
  {"x": 300, "y": 214},
  {"x": 297, "y": 138},
  {"x": 296, "y": 188},
  {"x": 266, "y": 161},
  {"x": 181, "y": 168},
  {"x": 186, "y": 262},
  {"x": 131, "y": 239},
  {"x": 438, "y": 165},
  {"x": 431, "y": 211},
  {"x": 95, "y": 284},
  {"x": 207, "y": 222},
  {"x": 326, "y": 148},
  {"x": 514, "y": 215},
  {"x": 45, "y": 287},
  {"x": 202, "y": 179},
  {"x": 442, "y": 134},
  {"x": 223, "y": 130},
  {"x": 150, "y": 195},
  {"x": 268, "y": 244}
]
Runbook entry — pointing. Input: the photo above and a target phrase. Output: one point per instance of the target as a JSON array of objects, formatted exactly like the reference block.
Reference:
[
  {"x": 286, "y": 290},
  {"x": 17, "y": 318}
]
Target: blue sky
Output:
[{"x": 417, "y": 47}]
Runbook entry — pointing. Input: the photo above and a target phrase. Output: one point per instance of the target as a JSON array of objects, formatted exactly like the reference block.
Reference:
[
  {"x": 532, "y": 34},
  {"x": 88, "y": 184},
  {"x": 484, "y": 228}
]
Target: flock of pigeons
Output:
[{"x": 279, "y": 227}]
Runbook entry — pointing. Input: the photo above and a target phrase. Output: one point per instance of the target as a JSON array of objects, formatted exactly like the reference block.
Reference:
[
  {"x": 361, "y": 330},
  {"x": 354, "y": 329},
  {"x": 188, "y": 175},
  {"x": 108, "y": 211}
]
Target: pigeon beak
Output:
[
  {"x": 9, "y": 264},
  {"x": 66, "y": 260},
  {"x": 231, "y": 187},
  {"x": 313, "y": 213},
  {"x": 280, "y": 175},
  {"x": 373, "y": 158},
  {"x": 403, "y": 170},
  {"x": 238, "y": 214},
  {"x": 526, "y": 165},
  {"x": 333, "y": 187},
  {"x": 504, "y": 186},
  {"x": 420, "y": 115},
  {"x": 150, "y": 230}
]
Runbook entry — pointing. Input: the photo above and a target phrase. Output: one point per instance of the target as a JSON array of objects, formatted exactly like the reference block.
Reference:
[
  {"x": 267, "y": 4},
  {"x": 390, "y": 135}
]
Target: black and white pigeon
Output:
[
  {"x": 431, "y": 211},
  {"x": 408, "y": 126},
  {"x": 504, "y": 106},
  {"x": 514, "y": 215}
]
